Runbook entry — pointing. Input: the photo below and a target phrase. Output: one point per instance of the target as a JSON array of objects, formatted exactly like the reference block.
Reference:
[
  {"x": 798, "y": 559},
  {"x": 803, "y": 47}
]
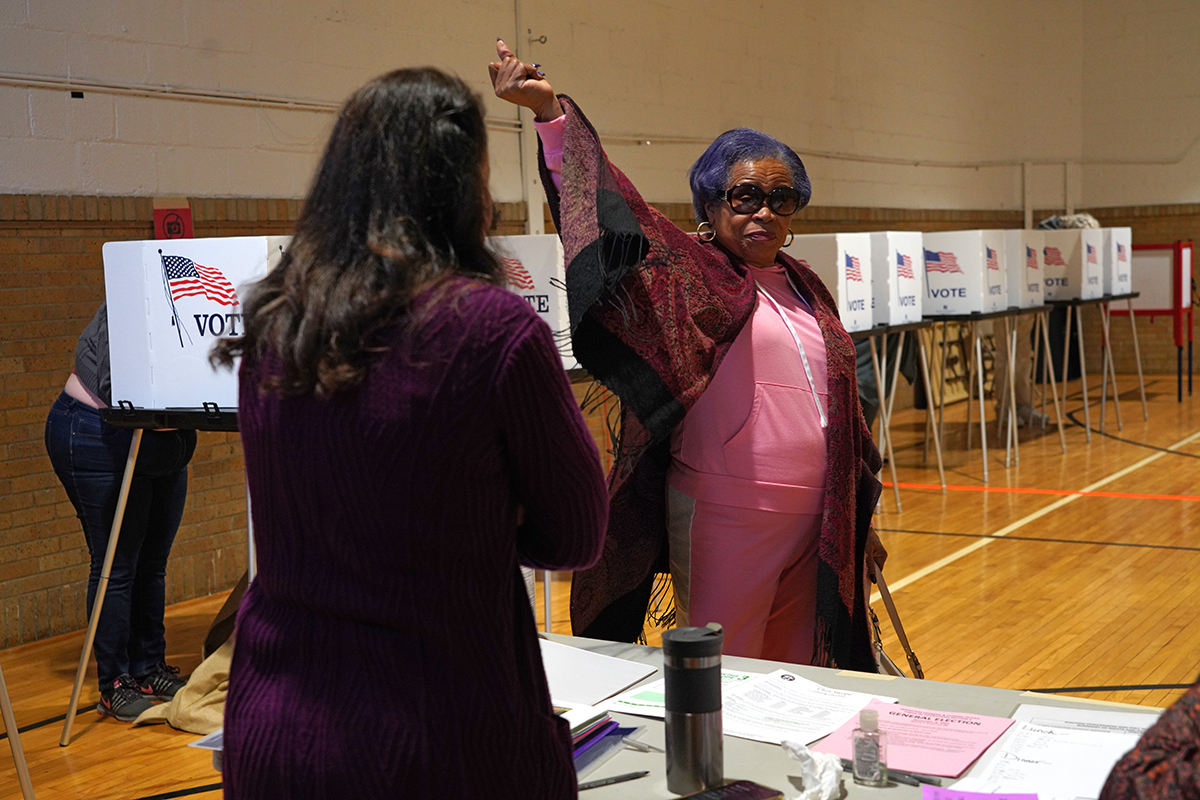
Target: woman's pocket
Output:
[{"x": 781, "y": 441}]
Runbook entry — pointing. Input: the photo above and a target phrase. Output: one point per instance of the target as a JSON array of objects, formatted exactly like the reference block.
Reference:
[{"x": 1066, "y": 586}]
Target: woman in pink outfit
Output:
[{"x": 743, "y": 465}]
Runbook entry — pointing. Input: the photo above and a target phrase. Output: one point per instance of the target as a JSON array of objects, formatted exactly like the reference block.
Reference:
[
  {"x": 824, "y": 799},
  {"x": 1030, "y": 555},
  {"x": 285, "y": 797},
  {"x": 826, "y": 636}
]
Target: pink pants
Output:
[{"x": 753, "y": 571}]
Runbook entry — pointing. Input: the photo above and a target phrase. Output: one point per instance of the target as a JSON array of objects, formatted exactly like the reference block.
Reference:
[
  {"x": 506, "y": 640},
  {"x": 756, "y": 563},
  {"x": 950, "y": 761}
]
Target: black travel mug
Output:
[{"x": 692, "y": 672}]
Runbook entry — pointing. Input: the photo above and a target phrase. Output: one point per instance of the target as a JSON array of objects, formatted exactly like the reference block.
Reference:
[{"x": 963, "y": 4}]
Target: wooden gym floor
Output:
[{"x": 1072, "y": 573}]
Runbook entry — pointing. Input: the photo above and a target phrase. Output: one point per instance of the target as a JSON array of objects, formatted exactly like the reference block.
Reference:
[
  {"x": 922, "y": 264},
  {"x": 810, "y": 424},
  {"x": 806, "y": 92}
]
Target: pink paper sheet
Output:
[
  {"x": 938, "y": 793},
  {"x": 920, "y": 740}
]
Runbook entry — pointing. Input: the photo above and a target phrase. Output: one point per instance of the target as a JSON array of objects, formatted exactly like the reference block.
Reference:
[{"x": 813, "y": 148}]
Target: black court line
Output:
[
  {"x": 45, "y": 722},
  {"x": 211, "y": 787},
  {"x": 1038, "y": 539},
  {"x": 1131, "y": 688},
  {"x": 1071, "y": 416}
]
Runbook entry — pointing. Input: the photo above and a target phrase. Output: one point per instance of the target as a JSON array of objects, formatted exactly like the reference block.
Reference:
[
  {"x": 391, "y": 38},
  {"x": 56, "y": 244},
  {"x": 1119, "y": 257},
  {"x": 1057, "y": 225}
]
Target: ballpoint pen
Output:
[
  {"x": 628, "y": 776},
  {"x": 640, "y": 746},
  {"x": 901, "y": 776}
]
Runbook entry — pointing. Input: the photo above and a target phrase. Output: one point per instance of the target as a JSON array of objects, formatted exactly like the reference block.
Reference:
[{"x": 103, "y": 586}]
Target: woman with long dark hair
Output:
[{"x": 410, "y": 439}]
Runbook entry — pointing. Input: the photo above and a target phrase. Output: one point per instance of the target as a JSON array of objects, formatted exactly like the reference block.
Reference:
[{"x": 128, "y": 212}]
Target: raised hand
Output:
[{"x": 521, "y": 84}]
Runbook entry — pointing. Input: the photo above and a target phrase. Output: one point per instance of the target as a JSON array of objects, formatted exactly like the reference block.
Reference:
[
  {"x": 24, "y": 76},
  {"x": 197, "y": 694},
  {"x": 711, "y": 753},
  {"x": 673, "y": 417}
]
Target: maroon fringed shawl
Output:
[{"x": 652, "y": 314}]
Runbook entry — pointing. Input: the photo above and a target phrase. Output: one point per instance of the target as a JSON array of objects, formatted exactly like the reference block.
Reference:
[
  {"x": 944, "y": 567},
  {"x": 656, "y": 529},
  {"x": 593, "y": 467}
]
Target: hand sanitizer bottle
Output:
[{"x": 870, "y": 750}]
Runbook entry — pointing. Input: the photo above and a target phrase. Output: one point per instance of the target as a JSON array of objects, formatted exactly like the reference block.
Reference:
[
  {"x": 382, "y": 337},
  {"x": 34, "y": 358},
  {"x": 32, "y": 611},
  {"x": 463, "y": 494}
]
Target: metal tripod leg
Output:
[
  {"x": 14, "y": 741},
  {"x": 105, "y": 571},
  {"x": 937, "y": 439},
  {"x": 885, "y": 434},
  {"x": 1137, "y": 352}
]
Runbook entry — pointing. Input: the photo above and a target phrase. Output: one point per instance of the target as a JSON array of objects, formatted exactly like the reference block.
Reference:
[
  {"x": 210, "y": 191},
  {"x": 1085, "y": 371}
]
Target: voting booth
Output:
[
  {"x": 169, "y": 301},
  {"x": 1117, "y": 261},
  {"x": 964, "y": 272},
  {"x": 1073, "y": 266},
  {"x": 897, "y": 277},
  {"x": 1023, "y": 261},
  {"x": 843, "y": 262},
  {"x": 535, "y": 270}
]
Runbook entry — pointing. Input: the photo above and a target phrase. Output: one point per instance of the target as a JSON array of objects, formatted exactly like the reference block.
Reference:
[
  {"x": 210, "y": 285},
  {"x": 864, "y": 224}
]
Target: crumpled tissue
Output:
[{"x": 821, "y": 772}]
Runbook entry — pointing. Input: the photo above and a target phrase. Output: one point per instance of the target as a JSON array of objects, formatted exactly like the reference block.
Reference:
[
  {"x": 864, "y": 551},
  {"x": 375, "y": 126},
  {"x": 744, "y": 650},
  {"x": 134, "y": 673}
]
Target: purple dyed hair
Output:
[{"x": 710, "y": 174}]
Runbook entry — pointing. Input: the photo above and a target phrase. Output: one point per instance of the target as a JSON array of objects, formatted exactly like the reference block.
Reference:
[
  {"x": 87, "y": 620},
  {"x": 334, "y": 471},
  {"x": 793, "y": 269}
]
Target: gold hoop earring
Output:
[
  {"x": 705, "y": 234},
  {"x": 791, "y": 238}
]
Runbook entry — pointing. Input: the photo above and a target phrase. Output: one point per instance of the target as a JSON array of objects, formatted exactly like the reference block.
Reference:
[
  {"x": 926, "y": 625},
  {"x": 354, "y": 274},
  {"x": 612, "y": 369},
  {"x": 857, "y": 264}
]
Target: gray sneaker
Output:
[
  {"x": 123, "y": 700},
  {"x": 1029, "y": 417}
]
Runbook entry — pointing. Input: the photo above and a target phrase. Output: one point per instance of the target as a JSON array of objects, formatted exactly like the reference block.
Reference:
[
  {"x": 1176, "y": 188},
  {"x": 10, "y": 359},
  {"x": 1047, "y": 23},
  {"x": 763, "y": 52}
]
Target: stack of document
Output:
[
  {"x": 594, "y": 735},
  {"x": 1058, "y": 752},
  {"x": 770, "y": 708}
]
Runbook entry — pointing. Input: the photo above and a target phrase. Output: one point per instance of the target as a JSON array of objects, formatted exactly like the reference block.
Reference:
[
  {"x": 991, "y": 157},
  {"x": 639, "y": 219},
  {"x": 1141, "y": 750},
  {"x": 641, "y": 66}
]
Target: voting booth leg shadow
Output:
[
  {"x": 102, "y": 586},
  {"x": 14, "y": 740}
]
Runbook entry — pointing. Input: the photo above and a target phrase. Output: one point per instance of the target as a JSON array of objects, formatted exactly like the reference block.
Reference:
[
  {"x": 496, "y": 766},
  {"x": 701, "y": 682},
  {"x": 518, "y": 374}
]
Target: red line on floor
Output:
[{"x": 1057, "y": 492}]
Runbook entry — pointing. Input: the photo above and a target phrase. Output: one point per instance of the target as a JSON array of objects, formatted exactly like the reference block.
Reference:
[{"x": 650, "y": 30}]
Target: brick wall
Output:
[{"x": 51, "y": 281}]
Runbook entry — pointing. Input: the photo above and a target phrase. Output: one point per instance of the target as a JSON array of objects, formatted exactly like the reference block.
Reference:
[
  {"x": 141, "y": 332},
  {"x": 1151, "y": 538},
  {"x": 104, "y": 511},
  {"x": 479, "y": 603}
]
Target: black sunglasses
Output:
[{"x": 746, "y": 198}]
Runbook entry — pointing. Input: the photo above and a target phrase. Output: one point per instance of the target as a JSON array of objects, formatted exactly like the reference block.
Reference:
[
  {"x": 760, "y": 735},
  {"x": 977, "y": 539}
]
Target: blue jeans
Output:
[{"x": 89, "y": 458}]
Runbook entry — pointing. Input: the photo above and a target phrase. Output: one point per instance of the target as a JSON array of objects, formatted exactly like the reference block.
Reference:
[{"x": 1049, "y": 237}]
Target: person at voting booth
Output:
[
  {"x": 410, "y": 439},
  {"x": 89, "y": 458},
  {"x": 752, "y": 483}
]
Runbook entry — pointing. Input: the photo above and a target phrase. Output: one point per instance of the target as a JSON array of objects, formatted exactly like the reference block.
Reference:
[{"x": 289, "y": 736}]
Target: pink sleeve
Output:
[{"x": 551, "y": 134}]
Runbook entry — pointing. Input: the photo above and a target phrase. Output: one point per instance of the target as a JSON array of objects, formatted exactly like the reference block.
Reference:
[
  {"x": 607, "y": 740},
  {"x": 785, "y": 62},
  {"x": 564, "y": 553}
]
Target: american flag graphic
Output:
[
  {"x": 187, "y": 278},
  {"x": 992, "y": 262},
  {"x": 1121, "y": 255},
  {"x": 517, "y": 276},
  {"x": 1054, "y": 257},
  {"x": 903, "y": 265},
  {"x": 941, "y": 262},
  {"x": 853, "y": 269},
  {"x": 1091, "y": 254},
  {"x": 1031, "y": 259}
]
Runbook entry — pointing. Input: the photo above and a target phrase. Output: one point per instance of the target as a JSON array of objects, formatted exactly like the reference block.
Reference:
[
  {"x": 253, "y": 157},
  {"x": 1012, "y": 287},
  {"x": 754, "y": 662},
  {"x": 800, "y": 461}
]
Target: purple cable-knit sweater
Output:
[{"x": 387, "y": 647}]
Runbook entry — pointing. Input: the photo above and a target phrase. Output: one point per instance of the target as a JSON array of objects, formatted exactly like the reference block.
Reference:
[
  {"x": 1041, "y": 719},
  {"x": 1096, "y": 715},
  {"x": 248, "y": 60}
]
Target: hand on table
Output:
[{"x": 521, "y": 84}]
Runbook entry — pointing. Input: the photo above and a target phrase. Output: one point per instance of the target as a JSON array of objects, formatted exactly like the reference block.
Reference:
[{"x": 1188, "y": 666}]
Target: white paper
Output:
[
  {"x": 1058, "y": 752},
  {"x": 213, "y": 741},
  {"x": 649, "y": 700},
  {"x": 581, "y": 677},
  {"x": 783, "y": 705}
]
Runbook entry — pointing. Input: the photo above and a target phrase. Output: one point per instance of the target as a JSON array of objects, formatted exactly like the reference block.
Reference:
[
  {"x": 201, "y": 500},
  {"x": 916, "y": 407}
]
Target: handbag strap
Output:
[{"x": 913, "y": 662}]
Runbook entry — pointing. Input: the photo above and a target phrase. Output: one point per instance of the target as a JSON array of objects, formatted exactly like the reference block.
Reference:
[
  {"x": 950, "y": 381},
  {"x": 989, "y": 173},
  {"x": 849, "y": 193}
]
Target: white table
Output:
[{"x": 768, "y": 764}]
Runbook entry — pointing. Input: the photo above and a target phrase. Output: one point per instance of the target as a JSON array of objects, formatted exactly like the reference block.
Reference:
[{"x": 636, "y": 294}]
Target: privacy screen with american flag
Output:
[
  {"x": 941, "y": 262},
  {"x": 517, "y": 275},
  {"x": 853, "y": 269},
  {"x": 187, "y": 278},
  {"x": 903, "y": 265},
  {"x": 1054, "y": 257}
]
